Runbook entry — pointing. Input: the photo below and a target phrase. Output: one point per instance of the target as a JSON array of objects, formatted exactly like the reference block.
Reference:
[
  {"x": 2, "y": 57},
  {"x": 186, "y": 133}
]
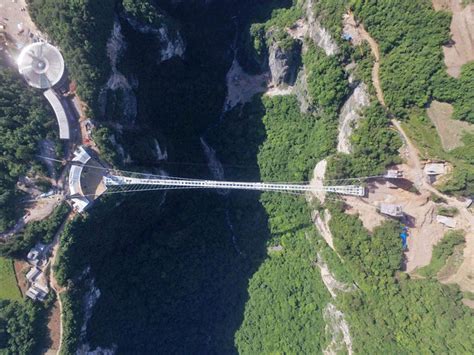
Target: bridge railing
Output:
[{"x": 161, "y": 183}]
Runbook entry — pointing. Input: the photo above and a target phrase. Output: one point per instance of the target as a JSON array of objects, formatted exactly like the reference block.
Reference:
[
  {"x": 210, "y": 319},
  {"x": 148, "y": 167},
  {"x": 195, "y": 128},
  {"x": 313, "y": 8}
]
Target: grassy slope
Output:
[
  {"x": 441, "y": 252},
  {"x": 8, "y": 286}
]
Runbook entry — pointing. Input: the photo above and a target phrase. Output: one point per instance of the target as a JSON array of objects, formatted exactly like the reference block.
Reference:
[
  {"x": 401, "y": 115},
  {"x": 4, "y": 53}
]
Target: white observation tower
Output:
[{"x": 41, "y": 64}]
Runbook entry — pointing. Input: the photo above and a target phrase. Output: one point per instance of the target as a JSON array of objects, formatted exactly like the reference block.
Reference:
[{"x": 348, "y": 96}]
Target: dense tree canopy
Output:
[
  {"x": 81, "y": 30},
  {"x": 21, "y": 327},
  {"x": 24, "y": 121},
  {"x": 374, "y": 146},
  {"x": 459, "y": 92},
  {"x": 327, "y": 84},
  {"x": 392, "y": 313},
  {"x": 410, "y": 35}
]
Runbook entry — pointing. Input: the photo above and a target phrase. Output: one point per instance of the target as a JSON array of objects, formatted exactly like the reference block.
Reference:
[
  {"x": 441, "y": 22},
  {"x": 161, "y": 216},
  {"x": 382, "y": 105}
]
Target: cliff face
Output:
[
  {"x": 350, "y": 115},
  {"x": 284, "y": 63},
  {"x": 168, "y": 37},
  {"x": 320, "y": 36}
]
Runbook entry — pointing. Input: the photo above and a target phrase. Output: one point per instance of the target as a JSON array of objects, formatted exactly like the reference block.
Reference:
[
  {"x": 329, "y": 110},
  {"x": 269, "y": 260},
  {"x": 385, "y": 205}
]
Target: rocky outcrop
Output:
[
  {"x": 241, "y": 86},
  {"x": 317, "y": 182},
  {"x": 301, "y": 92},
  {"x": 118, "y": 92},
  {"x": 170, "y": 39},
  {"x": 332, "y": 284},
  {"x": 321, "y": 221},
  {"x": 350, "y": 115},
  {"x": 320, "y": 36},
  {"x": 284, "y": 63},
  {"x": 338, "y": 330}
]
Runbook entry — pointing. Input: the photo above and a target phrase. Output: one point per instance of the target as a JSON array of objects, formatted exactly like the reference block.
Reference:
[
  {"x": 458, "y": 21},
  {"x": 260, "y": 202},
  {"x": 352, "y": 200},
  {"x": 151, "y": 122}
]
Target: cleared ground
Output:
[
  {"x": 8, "y": 287},
  {"x": 21, "y": 269},
  {"x": 464, "y": 276},
  {"x": 420, "y": 213},
  {"x": 17, "y": 23},
  {"x": 461, "y": 50},
  {"x": 450, "y": 131}
]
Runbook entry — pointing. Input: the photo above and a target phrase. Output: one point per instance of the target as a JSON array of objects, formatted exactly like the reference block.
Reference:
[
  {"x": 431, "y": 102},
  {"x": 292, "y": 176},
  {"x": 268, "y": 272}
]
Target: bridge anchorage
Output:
[{"x": 118, "y": 183}]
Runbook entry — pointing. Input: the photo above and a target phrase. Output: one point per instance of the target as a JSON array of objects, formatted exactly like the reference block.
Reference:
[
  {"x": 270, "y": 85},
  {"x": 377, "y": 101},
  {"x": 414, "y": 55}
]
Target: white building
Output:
[
  {"x": 59, "y": 112},
  {"x": 33, "y": 274},
  {"x": 447, "y": 221},
  {"x": 391, "y": 210},
  {"x": 81, "y": 156},
  {"x": 37, "y": 253},
  {"x": 37, "y": 292},
  {"x": 435, "y": 169},
  {"x": 393, "y": 174},
  {"x": 41, "y": 64}
]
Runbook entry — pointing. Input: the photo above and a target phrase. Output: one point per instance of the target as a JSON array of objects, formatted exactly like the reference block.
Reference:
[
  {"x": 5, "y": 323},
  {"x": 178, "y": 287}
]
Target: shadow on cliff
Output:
[{"x": 173, "y": 277}]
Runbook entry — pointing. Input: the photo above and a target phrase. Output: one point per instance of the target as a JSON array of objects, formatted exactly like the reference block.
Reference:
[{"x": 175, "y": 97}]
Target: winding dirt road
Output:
[{"x": 463, "y": 277}]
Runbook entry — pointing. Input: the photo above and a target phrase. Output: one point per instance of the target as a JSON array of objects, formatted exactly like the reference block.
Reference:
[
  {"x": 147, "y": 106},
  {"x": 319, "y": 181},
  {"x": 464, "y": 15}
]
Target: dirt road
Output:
[
  {"x": 465, "y": 274},
  {"x": 360, "y": 32},
  {"x": 57, "y": 289}
]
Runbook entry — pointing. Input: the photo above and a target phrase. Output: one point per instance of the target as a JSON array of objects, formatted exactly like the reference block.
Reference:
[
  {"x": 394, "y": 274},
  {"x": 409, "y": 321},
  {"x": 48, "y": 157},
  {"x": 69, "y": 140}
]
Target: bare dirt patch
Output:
[
  {"x": 461, "y": 50},
  {"x": 54, "y": 327},
  {"x": 469, "y": 303},
  {"x": 450, "y": 130},
  {"x": 21, "y": 268},
  {"x": 317, "y": 181},
  {"x": 18, "y": 24},
  {"x": 241, "y": 87},
  {"x": 420, "y": 211}
]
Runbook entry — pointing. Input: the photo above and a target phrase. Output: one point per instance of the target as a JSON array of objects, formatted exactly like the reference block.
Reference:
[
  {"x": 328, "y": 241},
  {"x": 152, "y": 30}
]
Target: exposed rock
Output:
[
  {"x": 301, "y": 92},
  {"x": 85, "y": 349},
  {"x": 278, "y": 91},
  {"x": 334, "y": 286},
  {"x": 299, "y": 30},
  {"x": 241, "y": 86},
  {"x": 283, "y": 63},
  {"x": 338, "y": 329},
  {"x": 215, "y": 166},
  {"x": 322, "y": 224},
  {"x": 171, "y": 41},
  {"x": 118, "y": 91},
  {"x": 317, "y": 181},
  {"x": 349, "y": 116},
  {"x": 160, "y": 154},
  {"x": 90, "y": 299},
  {"x": 320, "y": 36}
]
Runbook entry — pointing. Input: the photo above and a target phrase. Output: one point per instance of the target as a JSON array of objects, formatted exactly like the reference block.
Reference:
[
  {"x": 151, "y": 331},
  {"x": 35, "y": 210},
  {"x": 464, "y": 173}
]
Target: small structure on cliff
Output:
[{"x": 391, "y": 210}]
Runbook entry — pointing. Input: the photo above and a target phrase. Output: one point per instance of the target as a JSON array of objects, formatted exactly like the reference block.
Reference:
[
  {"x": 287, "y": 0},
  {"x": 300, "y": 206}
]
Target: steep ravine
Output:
[{"x": 187, "y": 259}]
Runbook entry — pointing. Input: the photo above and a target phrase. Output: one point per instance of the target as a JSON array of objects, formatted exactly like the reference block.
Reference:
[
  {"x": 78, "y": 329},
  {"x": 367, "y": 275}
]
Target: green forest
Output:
[
  {"x": 81, "y": 30},
  {"x": 25, "y": 120},
  {"x": 22, "y": 327},
  {"x": 214, "y": 273}
]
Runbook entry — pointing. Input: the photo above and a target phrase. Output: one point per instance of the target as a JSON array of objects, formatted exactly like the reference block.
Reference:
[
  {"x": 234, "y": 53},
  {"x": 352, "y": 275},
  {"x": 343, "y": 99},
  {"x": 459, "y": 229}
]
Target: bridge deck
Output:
[{"x": 113, "y": 180}]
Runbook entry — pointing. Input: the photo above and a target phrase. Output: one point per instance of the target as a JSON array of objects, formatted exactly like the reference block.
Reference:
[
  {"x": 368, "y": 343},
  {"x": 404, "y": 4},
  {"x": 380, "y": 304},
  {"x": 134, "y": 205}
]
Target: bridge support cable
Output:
[{"x": 129, "y": 184}]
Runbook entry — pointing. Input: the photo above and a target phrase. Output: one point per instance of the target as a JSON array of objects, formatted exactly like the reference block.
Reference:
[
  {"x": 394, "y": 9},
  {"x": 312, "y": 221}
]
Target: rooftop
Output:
[
  {"x": 391, "y": 210},
  {"x": 41, "y": 64},
  {"x": 59, "y": 112}
]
